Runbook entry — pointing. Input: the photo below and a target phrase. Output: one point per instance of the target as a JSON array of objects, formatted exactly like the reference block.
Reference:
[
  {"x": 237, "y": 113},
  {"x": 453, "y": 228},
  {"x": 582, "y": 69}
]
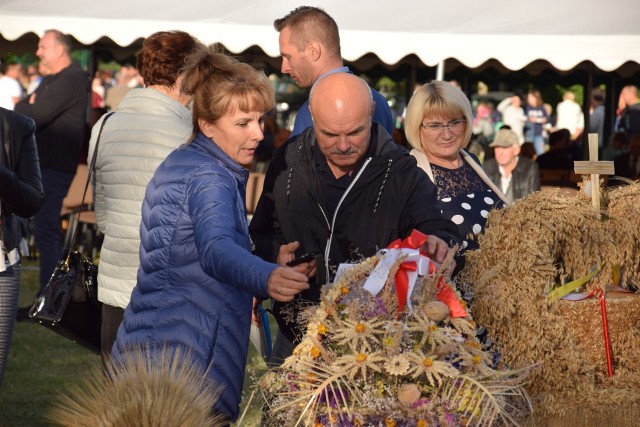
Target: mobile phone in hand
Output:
[{"x": 301, "y": 259}]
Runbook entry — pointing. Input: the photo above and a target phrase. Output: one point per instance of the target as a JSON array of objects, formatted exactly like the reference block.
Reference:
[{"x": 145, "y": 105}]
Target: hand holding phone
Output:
[{"x": 302, "y": 259}]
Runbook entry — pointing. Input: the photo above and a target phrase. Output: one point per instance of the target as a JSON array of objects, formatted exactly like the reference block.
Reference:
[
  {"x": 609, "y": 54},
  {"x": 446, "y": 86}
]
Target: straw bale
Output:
[
  {"x": 584, "y": 318},
  {"x": 624, "y": 214},
  {"x": 529, "y": 248},
  {"x": 626, "y": 412}
]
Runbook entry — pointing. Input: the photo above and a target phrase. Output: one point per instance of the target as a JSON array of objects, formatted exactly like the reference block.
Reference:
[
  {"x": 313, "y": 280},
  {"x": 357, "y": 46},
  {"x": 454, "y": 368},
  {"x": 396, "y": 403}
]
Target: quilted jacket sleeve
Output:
[{"x": 221, "y": 234}]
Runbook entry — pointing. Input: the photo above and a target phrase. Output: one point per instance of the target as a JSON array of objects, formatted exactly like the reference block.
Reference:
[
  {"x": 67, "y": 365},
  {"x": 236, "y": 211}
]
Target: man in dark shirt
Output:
[
  {"x": 344, "y": 189},
  {"x": 58, "y": 106}
]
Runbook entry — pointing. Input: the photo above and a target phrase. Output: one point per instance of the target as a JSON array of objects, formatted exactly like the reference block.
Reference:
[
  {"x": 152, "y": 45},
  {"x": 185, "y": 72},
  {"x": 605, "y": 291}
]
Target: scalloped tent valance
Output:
[{"x": 563, "y": 33}]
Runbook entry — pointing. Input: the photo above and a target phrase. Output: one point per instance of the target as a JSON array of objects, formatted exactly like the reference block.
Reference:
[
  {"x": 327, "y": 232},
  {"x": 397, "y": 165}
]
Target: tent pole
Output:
[
  {"x": 612, "y": 96},
  {"x": 440, "y": 70},
  {"x": 586, "y": 106}
]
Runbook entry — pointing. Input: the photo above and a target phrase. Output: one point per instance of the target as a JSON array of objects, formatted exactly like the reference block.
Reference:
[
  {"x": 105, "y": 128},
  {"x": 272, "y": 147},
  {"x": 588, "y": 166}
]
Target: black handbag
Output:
[{"x": 69, "y": 304}]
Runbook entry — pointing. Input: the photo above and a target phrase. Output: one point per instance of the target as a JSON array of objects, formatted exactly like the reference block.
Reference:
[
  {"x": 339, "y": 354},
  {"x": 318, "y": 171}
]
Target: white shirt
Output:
[
  {"x": 9, "y": 89},
  {"x": 514, "y": 117},
  {"x": 570, "y": 116},
  {"x": 504, "y": 181}
]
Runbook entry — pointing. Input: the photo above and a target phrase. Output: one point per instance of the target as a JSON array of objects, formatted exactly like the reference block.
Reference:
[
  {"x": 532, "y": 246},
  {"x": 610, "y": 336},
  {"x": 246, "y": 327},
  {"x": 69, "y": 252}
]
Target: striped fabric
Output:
[{"x": 9, "y": 288}]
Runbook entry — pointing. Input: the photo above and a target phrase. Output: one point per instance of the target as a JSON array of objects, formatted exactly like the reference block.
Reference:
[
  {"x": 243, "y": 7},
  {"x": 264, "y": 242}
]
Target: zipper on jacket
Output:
[
  {"x": 324, "y": 215},
  {"x": 335, "y": 214}
]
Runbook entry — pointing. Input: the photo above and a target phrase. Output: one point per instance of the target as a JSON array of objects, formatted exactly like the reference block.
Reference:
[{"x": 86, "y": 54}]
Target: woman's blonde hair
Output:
[
  {"x": 220, "y": 84},
  {"x": 436, "y": 99}
]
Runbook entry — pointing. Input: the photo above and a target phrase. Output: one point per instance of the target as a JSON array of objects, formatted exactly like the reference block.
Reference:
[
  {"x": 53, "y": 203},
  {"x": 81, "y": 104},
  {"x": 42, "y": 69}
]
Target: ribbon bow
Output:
[{"x": 415, "y": 263}]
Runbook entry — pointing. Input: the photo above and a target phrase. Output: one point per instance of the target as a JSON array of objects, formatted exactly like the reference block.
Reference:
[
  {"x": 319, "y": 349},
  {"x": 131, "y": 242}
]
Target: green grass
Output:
[{"x": 42, "y": 365}]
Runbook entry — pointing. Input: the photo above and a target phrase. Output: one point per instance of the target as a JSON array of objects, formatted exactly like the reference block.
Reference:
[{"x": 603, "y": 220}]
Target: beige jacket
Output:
[{"x": 136, "y": 139}]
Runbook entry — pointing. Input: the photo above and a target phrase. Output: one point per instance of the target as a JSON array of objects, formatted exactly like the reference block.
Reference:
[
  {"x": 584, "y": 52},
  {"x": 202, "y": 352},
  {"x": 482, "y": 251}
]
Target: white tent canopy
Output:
[{"x": 516, "y": 33}]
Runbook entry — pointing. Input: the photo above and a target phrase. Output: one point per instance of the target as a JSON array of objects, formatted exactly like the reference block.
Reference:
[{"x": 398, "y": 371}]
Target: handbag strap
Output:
[{"x": 92, "y": 166}]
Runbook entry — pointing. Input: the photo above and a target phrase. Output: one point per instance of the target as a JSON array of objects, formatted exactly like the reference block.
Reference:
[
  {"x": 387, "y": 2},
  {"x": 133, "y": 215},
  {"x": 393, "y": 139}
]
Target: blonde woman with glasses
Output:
[{"x": 438, "y": 127}]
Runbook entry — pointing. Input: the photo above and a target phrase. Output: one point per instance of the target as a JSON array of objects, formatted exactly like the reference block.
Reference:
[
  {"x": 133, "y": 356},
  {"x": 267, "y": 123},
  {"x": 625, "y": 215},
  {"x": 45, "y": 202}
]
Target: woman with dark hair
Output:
[
  {"x": 149, "y": 124},
  {"x": 21, "y": 197},
  {"x": 197, "y": 274}
]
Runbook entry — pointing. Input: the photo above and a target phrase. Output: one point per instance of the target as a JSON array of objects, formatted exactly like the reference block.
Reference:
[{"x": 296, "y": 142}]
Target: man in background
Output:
[
  {"x": 310, "y": 48},
  {"x": 570, "y": 115},
  {"x": 116, "y": 93},
  {"x": 59, "y": 108},
  {"x": 516, "y": 176}
]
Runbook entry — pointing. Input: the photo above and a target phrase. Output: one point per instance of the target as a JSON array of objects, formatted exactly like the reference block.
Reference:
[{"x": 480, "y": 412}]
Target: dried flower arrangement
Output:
[
  {"x": 361, "y": 363},
  {"x": 526, "y": 251}
]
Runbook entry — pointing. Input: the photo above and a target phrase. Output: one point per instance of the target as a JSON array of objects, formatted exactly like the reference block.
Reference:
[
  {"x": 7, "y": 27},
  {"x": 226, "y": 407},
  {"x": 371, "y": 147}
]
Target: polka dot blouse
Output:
[{"x": 465, "y": 199}]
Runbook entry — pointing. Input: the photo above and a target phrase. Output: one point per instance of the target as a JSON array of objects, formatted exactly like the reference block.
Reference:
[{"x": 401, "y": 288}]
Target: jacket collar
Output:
[
  {"x": 208, "y": 145},
  {"x": 152, "y": 101}
]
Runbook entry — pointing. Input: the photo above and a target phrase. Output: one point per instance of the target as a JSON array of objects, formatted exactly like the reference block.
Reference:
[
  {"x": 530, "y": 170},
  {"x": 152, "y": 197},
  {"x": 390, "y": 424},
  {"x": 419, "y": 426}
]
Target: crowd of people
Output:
[
  {"x": 554, "y": 138},
  {"x": 181, "y": 267}
]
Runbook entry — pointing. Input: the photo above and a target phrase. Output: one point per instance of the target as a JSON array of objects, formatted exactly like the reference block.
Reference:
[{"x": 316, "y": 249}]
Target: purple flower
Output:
[
  {"x": 420, "y": 402},
  {"x": 335, "y": 399},
  {"x": 375, "y": 309},
  {"x": 451, "y": 419}
]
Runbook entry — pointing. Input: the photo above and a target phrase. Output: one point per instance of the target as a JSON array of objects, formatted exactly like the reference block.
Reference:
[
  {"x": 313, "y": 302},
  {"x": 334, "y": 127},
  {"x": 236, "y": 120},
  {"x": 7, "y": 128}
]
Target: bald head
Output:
[
  {"x": 340, "y": 93},
  {"x": 341, "y": 105}
]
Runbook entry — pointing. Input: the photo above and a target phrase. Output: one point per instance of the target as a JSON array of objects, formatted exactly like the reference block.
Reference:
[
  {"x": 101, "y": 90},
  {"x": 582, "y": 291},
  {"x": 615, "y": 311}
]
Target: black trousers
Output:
[{"x": 111, "y": 319}]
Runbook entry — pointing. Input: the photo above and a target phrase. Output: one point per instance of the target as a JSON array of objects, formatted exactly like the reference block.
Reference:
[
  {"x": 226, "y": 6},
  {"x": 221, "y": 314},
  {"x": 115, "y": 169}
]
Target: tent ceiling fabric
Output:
[{"x": 564, "y": 32}]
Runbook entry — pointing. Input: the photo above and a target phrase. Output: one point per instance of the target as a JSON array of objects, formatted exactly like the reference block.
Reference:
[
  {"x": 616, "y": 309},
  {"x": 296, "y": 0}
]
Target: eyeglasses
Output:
[{"x": 454, "y": 126}]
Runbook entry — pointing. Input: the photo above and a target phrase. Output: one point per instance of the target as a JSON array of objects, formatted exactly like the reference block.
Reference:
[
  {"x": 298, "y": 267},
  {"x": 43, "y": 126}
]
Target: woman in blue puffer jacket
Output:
[{"x": 197, "y": 275}]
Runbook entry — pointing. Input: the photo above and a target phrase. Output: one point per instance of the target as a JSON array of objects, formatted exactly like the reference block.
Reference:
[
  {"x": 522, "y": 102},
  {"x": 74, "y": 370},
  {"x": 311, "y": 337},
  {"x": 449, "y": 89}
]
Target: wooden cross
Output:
[{"x": 595, "y": 168}]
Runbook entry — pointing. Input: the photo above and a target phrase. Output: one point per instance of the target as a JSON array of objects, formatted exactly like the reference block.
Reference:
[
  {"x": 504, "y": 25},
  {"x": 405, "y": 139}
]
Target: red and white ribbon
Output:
[{"x": 414, "y": 264}]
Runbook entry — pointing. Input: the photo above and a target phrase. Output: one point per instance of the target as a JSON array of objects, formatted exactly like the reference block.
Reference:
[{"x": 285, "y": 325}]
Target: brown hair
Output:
[
  {"x": 536, "y": 94},
  {"x": 162, "y": 57},
  {"x": 311, "y": 24},
  {"x": 220, "y": 84}
]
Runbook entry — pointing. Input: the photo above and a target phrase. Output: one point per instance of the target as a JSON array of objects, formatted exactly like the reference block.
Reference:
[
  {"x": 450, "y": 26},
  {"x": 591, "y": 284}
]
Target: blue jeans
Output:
[
  {"x": 46, "y": 223},
  {"x": 538, "y": 144}
]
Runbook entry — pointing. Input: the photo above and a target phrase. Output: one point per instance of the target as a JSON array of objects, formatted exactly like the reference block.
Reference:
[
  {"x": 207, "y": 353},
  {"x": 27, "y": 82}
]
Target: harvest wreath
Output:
[{"x": 373, "y": 358}]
